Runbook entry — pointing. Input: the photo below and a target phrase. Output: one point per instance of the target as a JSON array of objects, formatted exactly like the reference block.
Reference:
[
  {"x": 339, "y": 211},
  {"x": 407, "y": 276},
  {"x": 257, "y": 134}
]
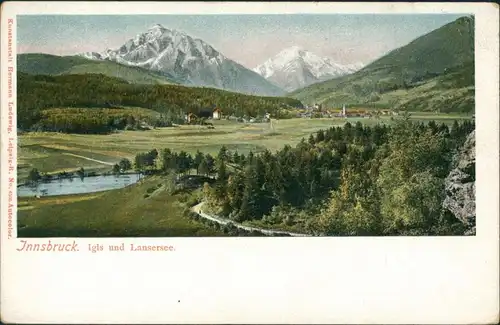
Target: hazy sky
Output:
[{"x": 247, "y": 39}]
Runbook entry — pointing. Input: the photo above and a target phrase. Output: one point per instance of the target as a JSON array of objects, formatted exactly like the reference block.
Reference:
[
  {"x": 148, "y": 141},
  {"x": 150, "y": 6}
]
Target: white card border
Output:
[{"x": 436, "y": 280}]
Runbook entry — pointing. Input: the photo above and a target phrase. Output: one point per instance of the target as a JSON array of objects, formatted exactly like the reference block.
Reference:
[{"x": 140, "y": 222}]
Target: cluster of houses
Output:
[
  {"x": 315, "y": 111},
  {"x": 249, "y": 119},
  {"x": 216, "y": 114},
  {"x": 318, "y": 111}
]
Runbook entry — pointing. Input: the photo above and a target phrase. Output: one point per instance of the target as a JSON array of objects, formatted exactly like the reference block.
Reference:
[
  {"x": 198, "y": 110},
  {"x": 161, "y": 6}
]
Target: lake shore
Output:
[{"x": 70, "y": 185}]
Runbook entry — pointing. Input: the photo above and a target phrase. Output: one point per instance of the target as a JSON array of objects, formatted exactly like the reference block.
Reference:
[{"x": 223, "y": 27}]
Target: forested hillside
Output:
[
  {"x": 351, "y": 180},
  {"x": 435, "y": 72},
  {"x": 37, "y": 93}
]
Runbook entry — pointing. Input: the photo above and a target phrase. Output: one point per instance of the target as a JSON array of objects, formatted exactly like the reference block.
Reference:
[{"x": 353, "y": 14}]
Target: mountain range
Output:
[
  {"x": 192, "y": 61},
  {"x": 433, "y": 72},
  {"x": 295, "y": 68}
]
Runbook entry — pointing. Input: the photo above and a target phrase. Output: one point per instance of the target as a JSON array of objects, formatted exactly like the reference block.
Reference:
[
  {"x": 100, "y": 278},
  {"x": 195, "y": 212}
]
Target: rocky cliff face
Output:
[{"x": 461, "y": 185}]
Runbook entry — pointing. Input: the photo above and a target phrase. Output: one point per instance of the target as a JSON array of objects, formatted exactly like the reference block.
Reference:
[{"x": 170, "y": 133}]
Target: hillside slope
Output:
[
  {"x": 46, "y": 64},
  {"x": 433, "y": 72}
]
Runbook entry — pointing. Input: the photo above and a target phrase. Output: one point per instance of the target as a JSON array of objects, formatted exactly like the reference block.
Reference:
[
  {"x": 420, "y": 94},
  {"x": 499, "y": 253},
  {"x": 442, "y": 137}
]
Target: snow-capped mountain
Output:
[
  {"x": 187, "y": 59},
  {"x": 91, "y": 55},
  {"x": 295, "y": 67}
]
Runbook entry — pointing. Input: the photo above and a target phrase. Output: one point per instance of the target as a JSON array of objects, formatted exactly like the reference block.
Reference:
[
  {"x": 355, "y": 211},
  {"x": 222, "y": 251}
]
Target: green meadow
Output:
[{"x": 144, "y": 209}]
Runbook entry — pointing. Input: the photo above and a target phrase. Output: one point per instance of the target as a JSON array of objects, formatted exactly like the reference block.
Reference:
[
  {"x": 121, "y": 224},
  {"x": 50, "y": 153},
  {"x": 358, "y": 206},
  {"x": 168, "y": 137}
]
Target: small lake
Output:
[{"x": 78, "y": 185}]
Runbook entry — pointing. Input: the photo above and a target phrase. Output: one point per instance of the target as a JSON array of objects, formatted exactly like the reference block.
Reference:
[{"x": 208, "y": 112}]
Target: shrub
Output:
[{"x": 192, "y": 200}]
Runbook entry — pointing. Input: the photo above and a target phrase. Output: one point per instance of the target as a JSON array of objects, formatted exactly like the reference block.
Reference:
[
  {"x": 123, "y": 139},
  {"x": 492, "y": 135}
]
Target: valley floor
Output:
[
  {"x": 55, "y": 152},
  {"x": 51, "y": 152}
]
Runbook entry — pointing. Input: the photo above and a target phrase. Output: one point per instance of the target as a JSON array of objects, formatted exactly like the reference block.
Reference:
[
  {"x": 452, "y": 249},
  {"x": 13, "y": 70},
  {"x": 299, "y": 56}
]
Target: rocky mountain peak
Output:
[{"x": 190, "y": 60}]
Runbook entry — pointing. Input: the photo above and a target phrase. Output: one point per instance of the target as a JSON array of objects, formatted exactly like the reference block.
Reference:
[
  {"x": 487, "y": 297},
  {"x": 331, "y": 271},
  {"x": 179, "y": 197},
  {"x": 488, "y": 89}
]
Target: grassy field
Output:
[
  {"x": 55, "y": 152},
  {"x": 125, "y": 212}
]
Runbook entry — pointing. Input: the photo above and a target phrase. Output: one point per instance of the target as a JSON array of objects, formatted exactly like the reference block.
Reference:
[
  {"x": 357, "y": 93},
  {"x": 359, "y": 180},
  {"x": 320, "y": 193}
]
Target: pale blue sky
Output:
[{"x": 247, "y": 39}]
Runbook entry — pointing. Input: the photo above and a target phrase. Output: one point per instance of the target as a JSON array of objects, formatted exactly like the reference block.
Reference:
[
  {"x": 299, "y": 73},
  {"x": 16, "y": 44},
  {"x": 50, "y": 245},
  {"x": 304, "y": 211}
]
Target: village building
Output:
[
  {"x": 217, "y": 114},
  {"x": 190, "y": 117},
  {"x": 342, "y": 113}
]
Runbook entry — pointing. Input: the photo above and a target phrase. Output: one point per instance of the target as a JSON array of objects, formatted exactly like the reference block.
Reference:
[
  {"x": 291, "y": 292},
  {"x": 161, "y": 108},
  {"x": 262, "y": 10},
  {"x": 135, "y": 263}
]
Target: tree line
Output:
[{"x": 99, "y": 120}]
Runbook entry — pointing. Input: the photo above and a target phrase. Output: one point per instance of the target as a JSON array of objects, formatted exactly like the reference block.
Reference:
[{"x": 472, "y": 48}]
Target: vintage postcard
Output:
[{"x": 249, "y": 162}]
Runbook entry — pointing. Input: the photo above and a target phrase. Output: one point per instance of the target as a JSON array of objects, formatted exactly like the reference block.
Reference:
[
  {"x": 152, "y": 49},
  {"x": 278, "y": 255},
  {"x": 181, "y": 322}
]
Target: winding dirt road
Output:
[
  {"x": 87, "y": 158},
  {"x": 198, "y": 210}
]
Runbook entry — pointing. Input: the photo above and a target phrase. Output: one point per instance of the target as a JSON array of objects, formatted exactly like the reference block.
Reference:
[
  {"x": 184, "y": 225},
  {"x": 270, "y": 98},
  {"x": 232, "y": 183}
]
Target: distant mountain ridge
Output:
[
  {"x": 47, "y": 64},
  {"x": 191, "y": 60},
  {"x": 433, "y": 72},
  {"x": 295, "y": 67}
]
